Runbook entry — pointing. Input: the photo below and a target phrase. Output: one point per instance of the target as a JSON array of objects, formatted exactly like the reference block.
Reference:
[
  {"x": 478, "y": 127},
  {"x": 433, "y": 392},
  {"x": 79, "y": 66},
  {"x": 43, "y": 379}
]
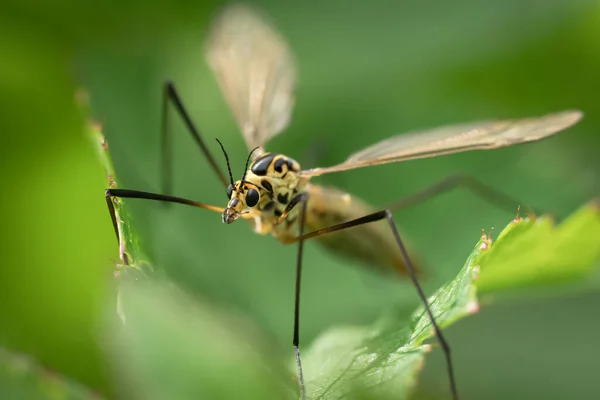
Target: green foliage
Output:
[
  {"x": 168, "y": 345},
  {"x": 533, "y": 252},
  {"x": 22, "y": 378},
  {"x": 367, "y": 70}
]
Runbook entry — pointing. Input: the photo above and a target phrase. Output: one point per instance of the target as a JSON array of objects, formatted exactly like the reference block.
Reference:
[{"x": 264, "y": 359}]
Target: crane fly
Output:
[{"x": 257, "y": 76}]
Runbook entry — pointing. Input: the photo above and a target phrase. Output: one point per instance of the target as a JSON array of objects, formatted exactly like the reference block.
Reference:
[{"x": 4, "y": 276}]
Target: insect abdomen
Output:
[{"x": 373, "y": 244}]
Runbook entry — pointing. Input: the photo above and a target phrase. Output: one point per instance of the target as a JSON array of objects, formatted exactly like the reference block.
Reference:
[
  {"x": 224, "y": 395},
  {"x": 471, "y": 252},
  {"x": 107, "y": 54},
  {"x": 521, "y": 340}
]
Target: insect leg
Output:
[
  {"x": 296, "y": 341},
  {"x": 301, "y": 198},
  {"x": 170, "y": 96},
  {"x": 478, "y": 188},
  {"x": 387, "y": 215},
  {"x": 135, "y": 194}
]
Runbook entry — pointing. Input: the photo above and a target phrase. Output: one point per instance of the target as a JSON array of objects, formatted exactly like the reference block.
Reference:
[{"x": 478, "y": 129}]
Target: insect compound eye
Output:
[
  {"x": 252, "y": 198},
  {"x": 229, "y": 190}
]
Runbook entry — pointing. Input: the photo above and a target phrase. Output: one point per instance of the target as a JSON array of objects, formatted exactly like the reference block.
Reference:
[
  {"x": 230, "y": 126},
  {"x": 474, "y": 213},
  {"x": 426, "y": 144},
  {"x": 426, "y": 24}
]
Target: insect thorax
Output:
[{"x": 277, "y": 178}]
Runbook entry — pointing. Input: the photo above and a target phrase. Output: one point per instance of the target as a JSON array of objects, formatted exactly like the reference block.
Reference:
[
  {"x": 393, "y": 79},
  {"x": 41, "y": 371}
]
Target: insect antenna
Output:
[
  {"x": 248, "y": 163},
  {"x": 226, "y": 160}
]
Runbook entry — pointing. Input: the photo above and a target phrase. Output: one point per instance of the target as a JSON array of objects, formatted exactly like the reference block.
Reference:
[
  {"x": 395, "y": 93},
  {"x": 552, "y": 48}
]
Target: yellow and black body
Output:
[{"x": 268, "y": 187}]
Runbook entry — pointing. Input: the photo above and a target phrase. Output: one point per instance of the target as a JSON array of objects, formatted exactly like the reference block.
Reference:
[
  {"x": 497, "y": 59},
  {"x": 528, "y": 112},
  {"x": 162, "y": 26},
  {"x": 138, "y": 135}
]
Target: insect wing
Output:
[
  {"x": 255, "y": 71},
  {"x": 455, "y": 139}
]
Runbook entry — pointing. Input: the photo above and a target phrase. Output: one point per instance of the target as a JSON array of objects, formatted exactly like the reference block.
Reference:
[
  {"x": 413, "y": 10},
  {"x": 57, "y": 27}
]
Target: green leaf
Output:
[
  {"x": 382, "y": 361},
  {"x": 172, "y": 346},
  {"x": 22, "y": 379},
  {"x": 533, "y": 252}
]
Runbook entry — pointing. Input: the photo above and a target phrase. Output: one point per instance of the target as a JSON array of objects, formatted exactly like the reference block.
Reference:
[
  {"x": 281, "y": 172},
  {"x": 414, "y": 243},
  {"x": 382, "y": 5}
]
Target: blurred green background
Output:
[{"x": 367, "y": 70}]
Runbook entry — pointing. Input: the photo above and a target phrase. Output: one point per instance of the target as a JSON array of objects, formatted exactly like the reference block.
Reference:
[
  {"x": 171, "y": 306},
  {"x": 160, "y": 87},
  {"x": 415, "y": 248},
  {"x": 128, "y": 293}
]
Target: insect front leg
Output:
[
  {"x": 387, "y": 215},
  {"x": 136, "y": 194}
]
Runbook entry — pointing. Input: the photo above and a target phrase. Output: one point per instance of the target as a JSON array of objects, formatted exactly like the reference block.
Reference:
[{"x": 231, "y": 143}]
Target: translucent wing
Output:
[
  {"x": 255, "y": 71},
  {"x": 454, "y": 139}
]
